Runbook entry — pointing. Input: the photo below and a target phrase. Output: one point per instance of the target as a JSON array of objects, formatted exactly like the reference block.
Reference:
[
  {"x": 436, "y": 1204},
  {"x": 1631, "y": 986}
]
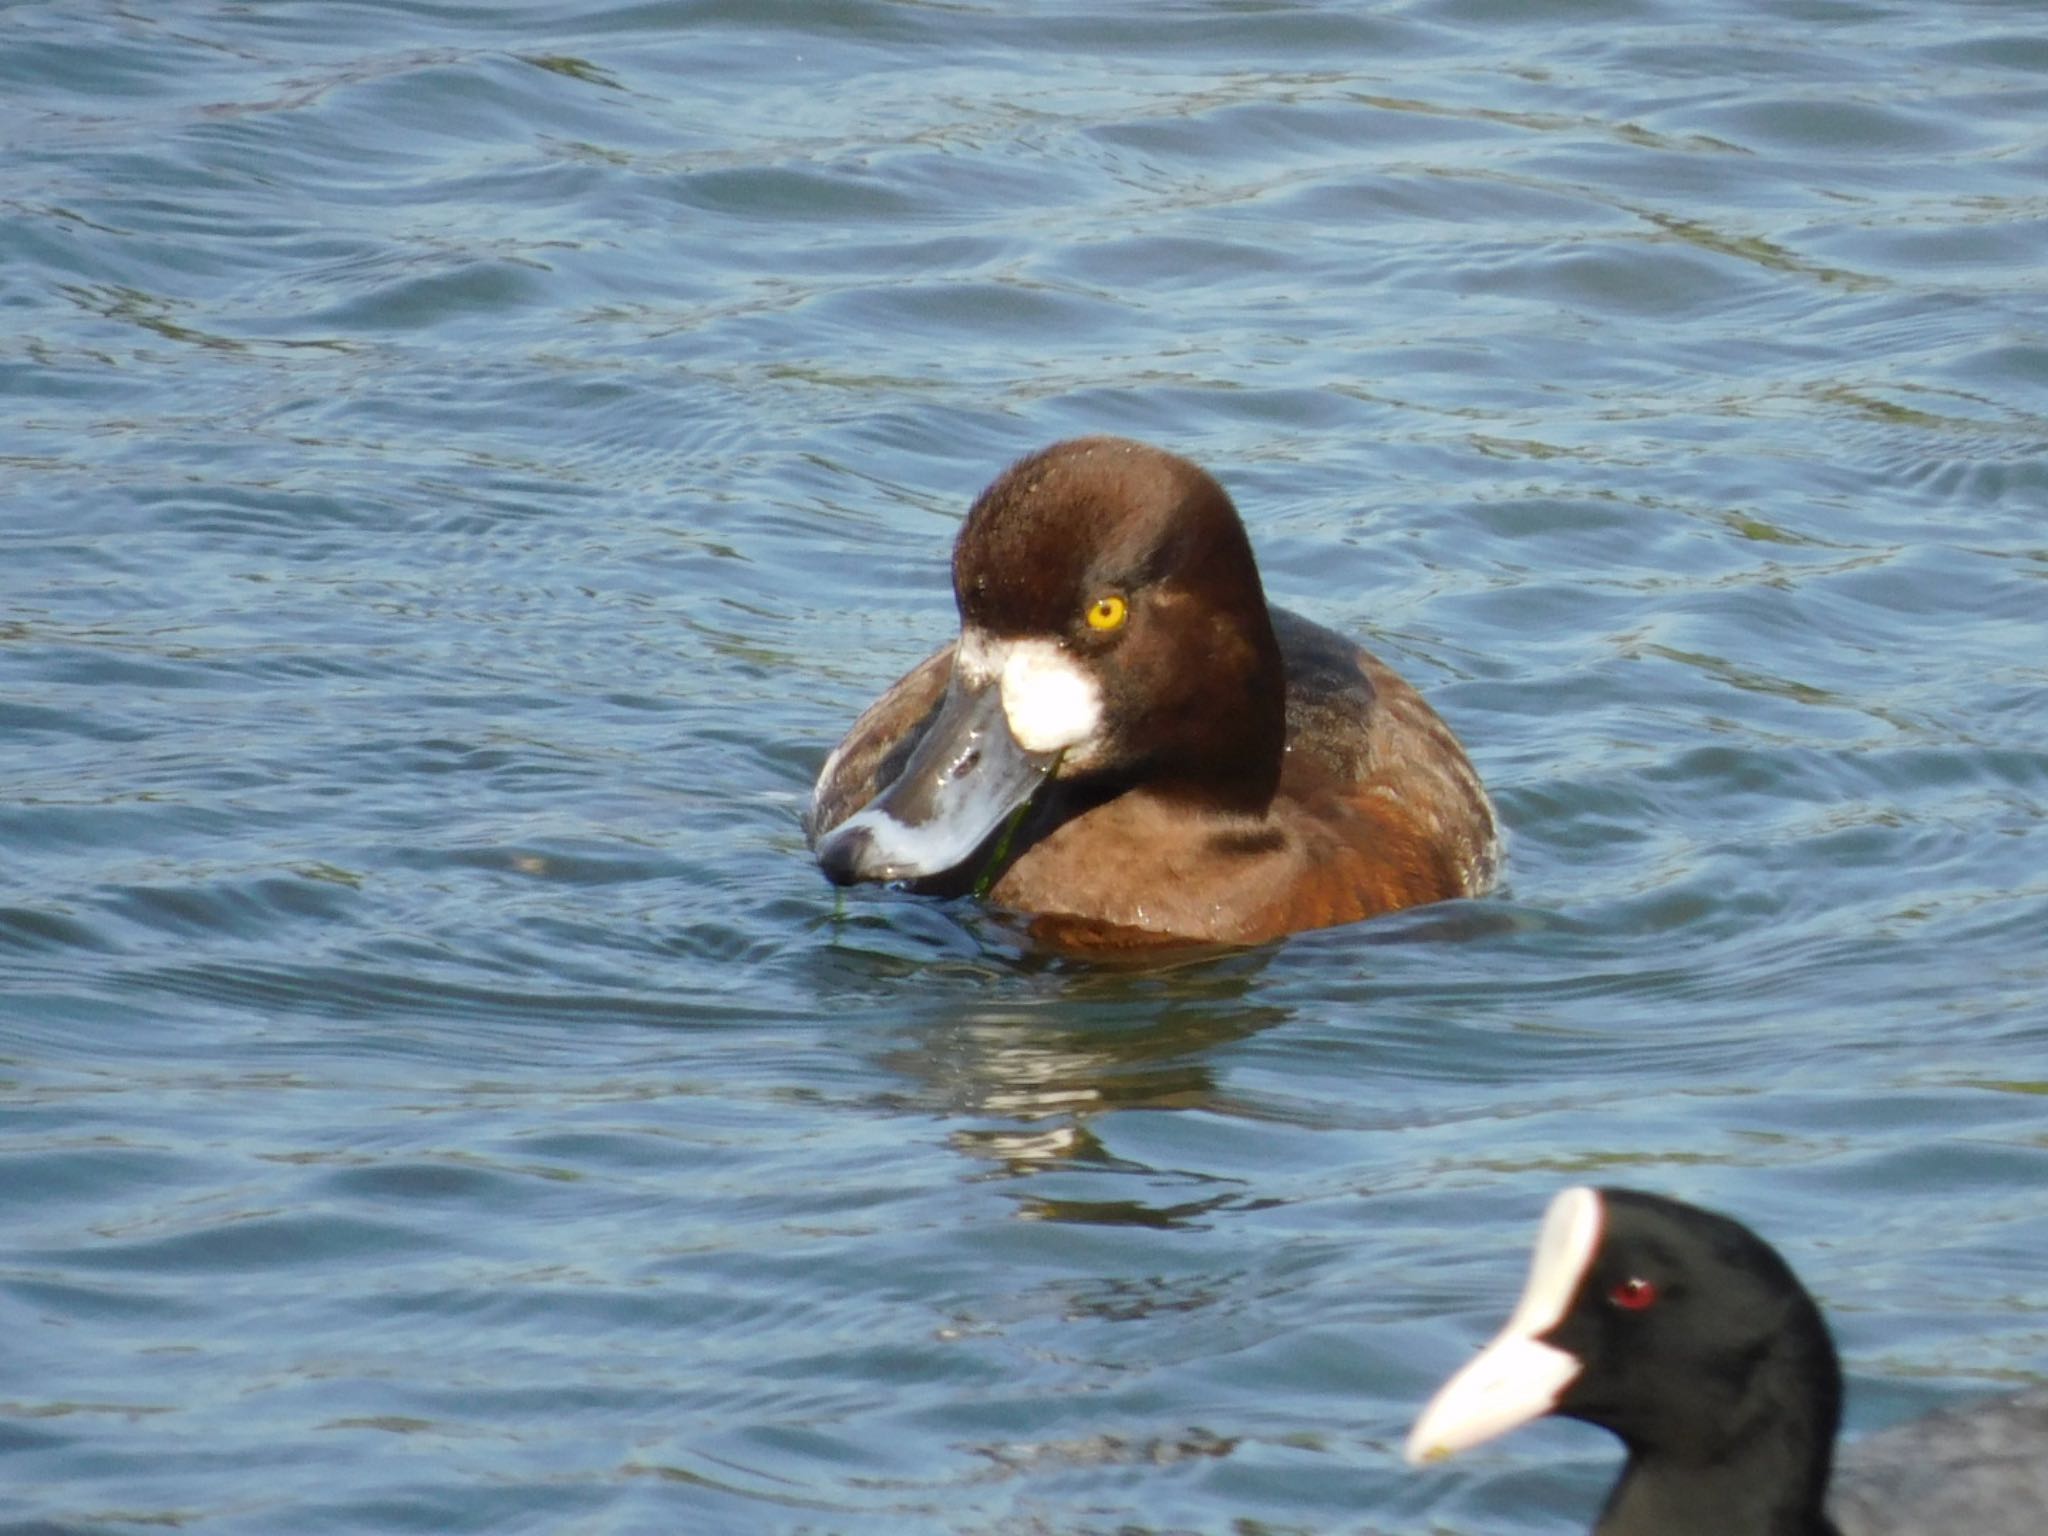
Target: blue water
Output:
[{"x": 462, "y": 467}]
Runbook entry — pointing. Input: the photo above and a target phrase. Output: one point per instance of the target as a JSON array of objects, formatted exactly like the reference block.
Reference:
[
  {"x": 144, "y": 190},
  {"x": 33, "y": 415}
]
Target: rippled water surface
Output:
[{"x": 462, "y": 466}]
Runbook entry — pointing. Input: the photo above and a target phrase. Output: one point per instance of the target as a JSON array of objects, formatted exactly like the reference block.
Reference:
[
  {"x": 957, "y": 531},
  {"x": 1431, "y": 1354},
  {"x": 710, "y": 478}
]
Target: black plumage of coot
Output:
[{"x": 1689, "y": 1337}]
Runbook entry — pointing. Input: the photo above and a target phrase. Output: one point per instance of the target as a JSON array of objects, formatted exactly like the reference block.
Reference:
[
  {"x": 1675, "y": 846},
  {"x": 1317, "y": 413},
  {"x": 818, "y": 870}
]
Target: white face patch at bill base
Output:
[
  {"x": 978, "y": 657},
  {"x": 1518, "y": 1377},
  {"x": 1050, "y": 702}
]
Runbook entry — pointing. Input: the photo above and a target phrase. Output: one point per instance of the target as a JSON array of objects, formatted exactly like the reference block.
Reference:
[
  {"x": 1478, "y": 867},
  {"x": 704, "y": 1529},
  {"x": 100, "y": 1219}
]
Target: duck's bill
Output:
[
  {"x": 1518, "y": 1377},
  {"x": 967, "y": 777}
]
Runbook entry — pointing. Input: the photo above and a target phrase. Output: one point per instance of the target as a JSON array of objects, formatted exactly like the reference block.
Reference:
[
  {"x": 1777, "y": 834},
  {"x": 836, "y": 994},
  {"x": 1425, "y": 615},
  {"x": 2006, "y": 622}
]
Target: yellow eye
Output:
[{"x": 1107, "y": 613}]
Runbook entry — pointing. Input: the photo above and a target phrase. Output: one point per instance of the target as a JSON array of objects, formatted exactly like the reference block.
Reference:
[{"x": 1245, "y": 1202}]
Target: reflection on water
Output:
[{"x": 1090, "y": 1043}]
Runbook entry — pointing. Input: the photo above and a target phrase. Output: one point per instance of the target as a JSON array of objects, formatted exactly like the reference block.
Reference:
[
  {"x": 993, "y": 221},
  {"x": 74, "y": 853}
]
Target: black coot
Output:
[{"x": 1688, "y": 1336}]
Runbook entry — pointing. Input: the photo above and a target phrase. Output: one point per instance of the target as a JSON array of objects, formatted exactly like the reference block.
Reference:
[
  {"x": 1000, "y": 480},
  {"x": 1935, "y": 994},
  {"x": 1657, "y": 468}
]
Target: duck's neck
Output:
[{"x": 1230, "y": 758}]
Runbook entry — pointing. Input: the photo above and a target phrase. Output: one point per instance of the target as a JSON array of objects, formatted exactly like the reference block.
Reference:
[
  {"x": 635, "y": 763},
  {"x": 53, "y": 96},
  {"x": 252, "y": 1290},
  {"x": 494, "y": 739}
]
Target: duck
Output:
[
  {"x": 1128, "y": 746},
  {"x": 1689, "y": 1337}
]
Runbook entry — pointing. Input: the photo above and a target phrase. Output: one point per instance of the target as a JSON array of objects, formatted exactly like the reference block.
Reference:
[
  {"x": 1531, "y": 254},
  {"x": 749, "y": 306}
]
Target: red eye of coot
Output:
[{"x": 1634, "y": 1295}]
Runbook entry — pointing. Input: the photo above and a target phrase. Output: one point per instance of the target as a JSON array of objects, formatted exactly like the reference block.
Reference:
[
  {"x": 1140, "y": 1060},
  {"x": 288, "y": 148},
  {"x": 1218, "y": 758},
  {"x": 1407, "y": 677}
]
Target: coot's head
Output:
[{"x": 1688, "y": 1337}]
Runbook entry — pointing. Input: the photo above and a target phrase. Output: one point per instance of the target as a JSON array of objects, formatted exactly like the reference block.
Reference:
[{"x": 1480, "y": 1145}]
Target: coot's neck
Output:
[{"x": 1774, "y": 1484}]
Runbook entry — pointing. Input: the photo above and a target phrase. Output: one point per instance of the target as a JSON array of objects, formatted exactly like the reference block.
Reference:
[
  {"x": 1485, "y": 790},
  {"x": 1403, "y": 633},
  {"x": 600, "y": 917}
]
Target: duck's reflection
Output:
[{"x": 1039, "y": 1072}]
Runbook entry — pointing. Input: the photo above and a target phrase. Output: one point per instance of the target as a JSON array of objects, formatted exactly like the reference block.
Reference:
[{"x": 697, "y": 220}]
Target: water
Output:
[{"x": 463, "y": 466}]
